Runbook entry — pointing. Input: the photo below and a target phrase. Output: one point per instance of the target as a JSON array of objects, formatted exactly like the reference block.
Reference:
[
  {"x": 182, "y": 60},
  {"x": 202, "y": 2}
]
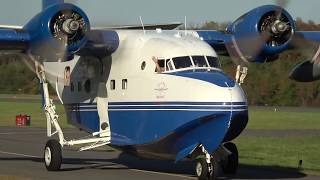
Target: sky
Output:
[{"x": 127, "y": 12}]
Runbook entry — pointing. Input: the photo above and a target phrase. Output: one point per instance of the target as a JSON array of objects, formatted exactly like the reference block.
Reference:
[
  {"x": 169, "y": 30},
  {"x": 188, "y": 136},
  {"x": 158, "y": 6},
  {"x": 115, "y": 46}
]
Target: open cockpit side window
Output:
[{"x": 160, "y": 67}]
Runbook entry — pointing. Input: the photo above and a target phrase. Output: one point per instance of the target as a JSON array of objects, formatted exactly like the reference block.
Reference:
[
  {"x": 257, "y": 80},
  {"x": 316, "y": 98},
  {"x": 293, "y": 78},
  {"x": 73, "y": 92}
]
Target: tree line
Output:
[{"x": 266, "y": 84}]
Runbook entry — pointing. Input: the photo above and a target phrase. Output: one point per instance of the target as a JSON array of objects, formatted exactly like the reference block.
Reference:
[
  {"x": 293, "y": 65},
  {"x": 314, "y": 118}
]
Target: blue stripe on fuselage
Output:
[
  {"x": 215, "y": 77},
  {"x": 147, "y": 103},
  {"x": 147, "y": 124},
  {"x": 222, "y": 106}
]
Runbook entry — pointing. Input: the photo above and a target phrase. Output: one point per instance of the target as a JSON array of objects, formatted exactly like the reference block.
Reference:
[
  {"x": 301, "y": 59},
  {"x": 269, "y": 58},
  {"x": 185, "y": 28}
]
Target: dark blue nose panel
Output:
[{"x": 215, "y": 77}]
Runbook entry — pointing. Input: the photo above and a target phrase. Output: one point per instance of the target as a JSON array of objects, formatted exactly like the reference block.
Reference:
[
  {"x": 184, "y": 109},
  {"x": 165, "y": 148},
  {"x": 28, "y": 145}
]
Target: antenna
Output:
[
  {"x": 185, "y": 25},
  {"x": 144, "y": 31}
]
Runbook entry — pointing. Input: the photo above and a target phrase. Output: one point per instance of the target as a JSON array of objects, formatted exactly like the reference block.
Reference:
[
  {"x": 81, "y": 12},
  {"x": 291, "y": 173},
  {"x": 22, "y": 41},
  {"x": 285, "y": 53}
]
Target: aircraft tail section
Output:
[{"x": 47, "y": 3}]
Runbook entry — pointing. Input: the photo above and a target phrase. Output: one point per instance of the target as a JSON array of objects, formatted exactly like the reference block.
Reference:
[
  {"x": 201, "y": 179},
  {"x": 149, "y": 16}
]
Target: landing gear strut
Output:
[{"x": 53, "y": 148}]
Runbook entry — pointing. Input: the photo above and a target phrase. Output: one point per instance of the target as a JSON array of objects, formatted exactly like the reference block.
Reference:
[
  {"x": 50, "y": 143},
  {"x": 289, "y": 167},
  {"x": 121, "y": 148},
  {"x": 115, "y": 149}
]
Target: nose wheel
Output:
[
  {"x": 53, "y": 155},
  {"x": 206, "y": 167},
  {"x": 205, "y": 170}
]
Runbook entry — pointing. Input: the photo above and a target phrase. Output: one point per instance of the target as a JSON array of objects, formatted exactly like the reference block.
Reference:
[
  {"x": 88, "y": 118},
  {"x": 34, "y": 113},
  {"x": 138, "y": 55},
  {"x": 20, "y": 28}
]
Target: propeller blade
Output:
[
  {"x": 71, "y": 1},
  {"x": 306, "y": 72},
  {"x": 244, "y": 49},
  {"x": 282, "y": 4}
]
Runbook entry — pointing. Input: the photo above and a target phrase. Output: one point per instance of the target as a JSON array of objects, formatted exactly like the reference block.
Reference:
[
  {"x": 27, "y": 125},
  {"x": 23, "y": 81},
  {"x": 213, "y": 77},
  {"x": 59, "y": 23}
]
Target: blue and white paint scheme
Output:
[
  {"x": 151, "y": 90},
  {"x": 192, "y": 105}
]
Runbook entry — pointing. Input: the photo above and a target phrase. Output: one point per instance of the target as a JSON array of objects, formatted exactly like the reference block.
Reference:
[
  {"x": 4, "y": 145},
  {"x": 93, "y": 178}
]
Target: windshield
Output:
[
  {"x": 169, "y": 65},
  {"x": 213, "y": 62},
  {"x": 199, "y": 61},
  {"x": 182, "y": 62}
]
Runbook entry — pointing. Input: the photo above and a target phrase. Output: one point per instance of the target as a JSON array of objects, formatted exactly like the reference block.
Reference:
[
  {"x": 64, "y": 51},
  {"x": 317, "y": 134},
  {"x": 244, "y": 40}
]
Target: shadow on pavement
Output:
[{"x": 186, "y": 168}]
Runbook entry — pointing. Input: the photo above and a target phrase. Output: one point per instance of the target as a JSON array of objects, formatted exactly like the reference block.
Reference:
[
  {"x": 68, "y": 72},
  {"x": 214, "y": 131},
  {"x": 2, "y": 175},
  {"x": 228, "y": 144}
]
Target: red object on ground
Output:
[{"x": 21, "y": 120}]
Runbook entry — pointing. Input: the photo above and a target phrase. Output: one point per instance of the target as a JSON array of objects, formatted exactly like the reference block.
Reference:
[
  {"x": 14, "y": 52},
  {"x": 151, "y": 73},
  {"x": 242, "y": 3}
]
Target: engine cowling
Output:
[
  {"x": 268, "y": 30},
  {"x": 58, "y": 31}
]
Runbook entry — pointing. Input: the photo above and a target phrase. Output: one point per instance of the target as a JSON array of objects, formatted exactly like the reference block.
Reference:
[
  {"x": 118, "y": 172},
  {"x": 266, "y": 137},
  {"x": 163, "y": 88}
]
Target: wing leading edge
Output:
[{"x": 13, "y": 39}]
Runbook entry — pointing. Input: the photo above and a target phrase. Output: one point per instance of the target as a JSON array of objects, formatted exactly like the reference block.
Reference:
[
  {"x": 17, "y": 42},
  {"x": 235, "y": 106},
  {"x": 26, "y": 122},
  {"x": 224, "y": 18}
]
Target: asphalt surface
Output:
[{"x": 21, "y": 152}]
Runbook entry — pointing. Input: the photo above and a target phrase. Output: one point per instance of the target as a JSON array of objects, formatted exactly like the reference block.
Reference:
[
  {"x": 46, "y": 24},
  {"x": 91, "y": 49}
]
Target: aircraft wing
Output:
[
  {"x": 313, "y": 36},
  {"x": 226, "y": 44},
  {"x": 216, "y": 39},
  {"x": 219, "y": 39},
  {"x": 262, "y": 34},
  {"x": 13, "y": 38},
  {"x": 11, "y": 27},
  {"x": 169, "y": 26}
]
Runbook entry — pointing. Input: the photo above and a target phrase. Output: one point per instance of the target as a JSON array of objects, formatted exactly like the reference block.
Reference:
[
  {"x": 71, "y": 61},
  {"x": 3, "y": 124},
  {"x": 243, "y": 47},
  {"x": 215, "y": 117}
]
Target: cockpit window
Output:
[
  {"x": 169, "y": 65},
  {"x": 182, "y": 62},
  {"x": 199, "y": 61},
  {"x": 161, "y": 63},
  {"x": 213, "y": 62}
]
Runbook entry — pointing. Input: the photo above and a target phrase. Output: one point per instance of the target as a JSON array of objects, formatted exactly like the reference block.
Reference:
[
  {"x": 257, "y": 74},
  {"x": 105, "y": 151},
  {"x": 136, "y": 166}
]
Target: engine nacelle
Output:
[
  {"x": 58, "y": 31},
  {"x": 268, "y": 28}
]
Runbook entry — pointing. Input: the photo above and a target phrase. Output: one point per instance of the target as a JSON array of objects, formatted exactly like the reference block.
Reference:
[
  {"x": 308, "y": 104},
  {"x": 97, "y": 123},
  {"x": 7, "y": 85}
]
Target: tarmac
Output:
[{"x": 21, "y": 155}]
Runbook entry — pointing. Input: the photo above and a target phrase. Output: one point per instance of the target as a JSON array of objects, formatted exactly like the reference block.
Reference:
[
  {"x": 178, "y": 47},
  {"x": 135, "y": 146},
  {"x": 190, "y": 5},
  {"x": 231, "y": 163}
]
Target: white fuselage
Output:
[{"x": 125, "y": 90}]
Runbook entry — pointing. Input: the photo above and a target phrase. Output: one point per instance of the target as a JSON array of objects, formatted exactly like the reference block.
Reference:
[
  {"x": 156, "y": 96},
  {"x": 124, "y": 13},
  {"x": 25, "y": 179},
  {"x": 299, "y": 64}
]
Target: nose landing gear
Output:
[
  {"x": 206, "y": 166},
  {"x": 206, "y": 171}
]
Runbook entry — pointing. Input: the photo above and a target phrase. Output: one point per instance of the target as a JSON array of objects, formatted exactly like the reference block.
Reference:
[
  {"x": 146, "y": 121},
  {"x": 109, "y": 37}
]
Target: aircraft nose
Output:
[{"x": 238, "y": 112}]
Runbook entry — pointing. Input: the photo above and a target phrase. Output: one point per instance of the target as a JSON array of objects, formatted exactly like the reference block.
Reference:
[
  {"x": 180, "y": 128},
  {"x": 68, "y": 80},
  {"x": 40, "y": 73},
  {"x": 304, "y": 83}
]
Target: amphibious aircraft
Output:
[{"x": 150, "y": 90}]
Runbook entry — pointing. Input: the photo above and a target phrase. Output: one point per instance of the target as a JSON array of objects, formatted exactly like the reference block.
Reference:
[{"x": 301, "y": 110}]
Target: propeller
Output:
[
  {"x": 307, "y": 71},
  {"x": 68, "y": 27},
  {"x": 65, "y": 34},
  {"x": 274, "y": 30}
]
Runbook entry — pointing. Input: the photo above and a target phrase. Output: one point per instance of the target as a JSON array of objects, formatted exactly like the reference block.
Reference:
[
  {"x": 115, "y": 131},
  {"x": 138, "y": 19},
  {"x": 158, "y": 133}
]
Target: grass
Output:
[
  {"x": 9, "y": 110},
  {"x": 281, "y": 152},
  {"x": 284, "y": 118}
]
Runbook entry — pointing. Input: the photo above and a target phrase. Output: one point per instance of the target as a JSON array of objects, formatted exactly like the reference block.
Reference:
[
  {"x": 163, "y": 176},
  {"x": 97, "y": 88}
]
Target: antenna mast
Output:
[
  {"x": 144, "y": 31},
  {"x": 185, "y": 25}
]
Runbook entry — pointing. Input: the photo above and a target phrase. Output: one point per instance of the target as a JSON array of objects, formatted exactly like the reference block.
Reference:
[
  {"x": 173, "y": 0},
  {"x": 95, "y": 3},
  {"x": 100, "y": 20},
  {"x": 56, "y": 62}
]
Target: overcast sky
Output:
[{"x": 116, "y": 12}]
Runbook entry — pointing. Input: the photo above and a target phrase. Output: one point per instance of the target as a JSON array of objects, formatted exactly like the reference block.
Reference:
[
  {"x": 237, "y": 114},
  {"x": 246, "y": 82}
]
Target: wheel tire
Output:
[
  {"x": 53, "y": 155},
  {"x": 202, "y": 170},
  {"x": 231, "y": 163}
]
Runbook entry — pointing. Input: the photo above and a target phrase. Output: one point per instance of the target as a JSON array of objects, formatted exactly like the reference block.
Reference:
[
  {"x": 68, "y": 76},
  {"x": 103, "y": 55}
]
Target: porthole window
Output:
[
  {"x": 143, "y": 65},
  {"x": 112, "y": 84},
  {"x": 124, "y": 84},
  {"x": 87, "y": 86}
]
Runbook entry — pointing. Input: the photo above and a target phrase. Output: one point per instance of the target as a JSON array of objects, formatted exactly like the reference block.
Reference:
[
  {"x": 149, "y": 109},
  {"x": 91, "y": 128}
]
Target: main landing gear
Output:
[
  {"x": 53, "y": 148},
  {"x": 208, "y": 166},
  {"x": 53, "y": 155}
]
